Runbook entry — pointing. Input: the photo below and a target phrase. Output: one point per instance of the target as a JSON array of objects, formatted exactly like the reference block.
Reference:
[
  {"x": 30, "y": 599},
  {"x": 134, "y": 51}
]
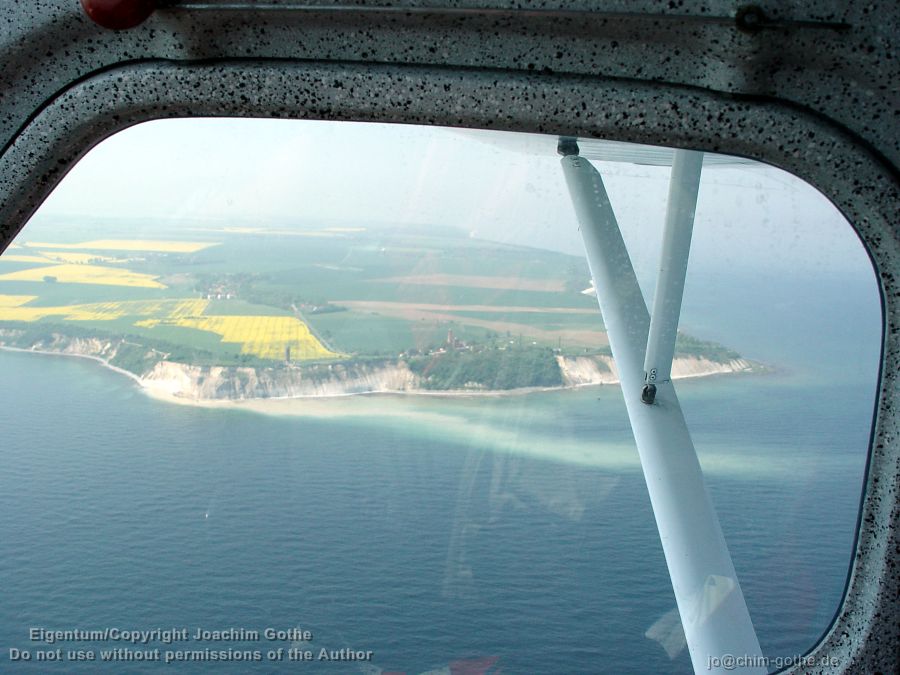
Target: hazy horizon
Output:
[{"x": 309, "y": 173}]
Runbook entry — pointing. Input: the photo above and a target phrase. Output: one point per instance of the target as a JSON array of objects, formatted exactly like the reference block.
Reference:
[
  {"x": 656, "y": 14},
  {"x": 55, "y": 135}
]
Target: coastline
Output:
[
  {"x": 318, "y": 404},
  {"x": 97, "y": 359}
]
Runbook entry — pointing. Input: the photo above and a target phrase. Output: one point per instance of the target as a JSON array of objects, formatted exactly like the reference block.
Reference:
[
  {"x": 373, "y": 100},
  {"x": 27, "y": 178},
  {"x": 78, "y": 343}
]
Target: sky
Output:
[{"x": 492, "y": 185}]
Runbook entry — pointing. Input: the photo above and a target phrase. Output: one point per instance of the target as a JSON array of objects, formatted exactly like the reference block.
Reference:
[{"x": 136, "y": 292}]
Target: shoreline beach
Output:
[{"x": 302, "y": 404}]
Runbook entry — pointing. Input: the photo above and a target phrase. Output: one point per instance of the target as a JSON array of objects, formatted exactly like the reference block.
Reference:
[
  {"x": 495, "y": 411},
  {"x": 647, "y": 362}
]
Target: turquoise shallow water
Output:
[{"x": 514, "y": 528}]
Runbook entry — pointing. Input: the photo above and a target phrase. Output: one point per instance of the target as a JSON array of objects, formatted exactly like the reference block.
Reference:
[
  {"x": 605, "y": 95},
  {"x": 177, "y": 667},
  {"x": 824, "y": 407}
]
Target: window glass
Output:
[{"x": 359, "y": 405}]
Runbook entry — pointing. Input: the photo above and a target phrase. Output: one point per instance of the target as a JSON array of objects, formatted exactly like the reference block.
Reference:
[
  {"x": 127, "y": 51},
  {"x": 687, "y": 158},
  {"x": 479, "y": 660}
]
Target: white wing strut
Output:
[
  {"x": 676, "y": 247},
  {"x": 714, "y": 616}
]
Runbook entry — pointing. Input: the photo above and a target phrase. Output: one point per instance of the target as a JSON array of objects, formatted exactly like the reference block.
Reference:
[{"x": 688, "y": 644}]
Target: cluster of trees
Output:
[
  {"x": 685, "y": 345},
  {"x": 495, "y": 369}
]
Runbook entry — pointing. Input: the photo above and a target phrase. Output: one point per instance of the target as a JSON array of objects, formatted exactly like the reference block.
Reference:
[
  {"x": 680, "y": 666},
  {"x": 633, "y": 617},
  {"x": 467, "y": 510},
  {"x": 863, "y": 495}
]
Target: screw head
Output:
[{"x": 750, "y": 18}]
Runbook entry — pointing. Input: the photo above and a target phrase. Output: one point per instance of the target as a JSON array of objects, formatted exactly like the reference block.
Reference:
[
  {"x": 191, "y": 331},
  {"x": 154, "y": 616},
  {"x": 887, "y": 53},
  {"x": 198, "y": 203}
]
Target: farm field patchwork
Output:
[
  {"x": 513, "y": 283},
  {"x": 267, "y": 337},
  {"x": 575, "y": 327},
  {"x": 252, "y": 296}
]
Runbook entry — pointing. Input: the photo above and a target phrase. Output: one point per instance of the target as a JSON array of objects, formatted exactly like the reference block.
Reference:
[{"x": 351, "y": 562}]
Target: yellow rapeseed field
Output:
[
  {"x": 85, "y": 274},
  {"x": 149, "y": 245},
  {"x": 264, "y": 336},
  {"x": 107, "y": 311},
  {"x": 15, "y": 300}
]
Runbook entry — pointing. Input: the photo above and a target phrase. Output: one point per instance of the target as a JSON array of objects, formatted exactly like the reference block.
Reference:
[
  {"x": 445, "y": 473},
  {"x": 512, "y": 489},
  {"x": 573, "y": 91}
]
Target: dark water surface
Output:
[{"x": 513, "y": 528}]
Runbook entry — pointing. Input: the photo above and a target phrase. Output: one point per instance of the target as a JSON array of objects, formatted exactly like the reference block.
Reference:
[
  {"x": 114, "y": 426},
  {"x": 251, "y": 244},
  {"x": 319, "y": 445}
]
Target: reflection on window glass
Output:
[{"x": 360, "y": 405}]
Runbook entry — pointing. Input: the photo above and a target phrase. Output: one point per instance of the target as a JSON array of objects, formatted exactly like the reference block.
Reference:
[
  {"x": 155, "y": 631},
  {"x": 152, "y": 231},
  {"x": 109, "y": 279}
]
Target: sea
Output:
[{"x": 423, "y": 534}]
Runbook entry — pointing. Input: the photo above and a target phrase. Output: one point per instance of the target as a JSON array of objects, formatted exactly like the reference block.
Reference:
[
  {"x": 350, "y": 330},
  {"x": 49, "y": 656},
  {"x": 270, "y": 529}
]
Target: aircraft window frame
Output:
[{"x": 845, "y": 171}]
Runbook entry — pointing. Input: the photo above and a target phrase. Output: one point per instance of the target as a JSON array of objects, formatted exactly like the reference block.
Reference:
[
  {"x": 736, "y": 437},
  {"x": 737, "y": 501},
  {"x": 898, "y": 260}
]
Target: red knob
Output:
[{"x": 118, "y": 14}]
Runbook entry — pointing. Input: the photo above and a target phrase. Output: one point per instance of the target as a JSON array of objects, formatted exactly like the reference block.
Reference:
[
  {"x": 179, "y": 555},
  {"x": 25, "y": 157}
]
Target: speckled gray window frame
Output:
[{"x": 865, "y": 634}]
